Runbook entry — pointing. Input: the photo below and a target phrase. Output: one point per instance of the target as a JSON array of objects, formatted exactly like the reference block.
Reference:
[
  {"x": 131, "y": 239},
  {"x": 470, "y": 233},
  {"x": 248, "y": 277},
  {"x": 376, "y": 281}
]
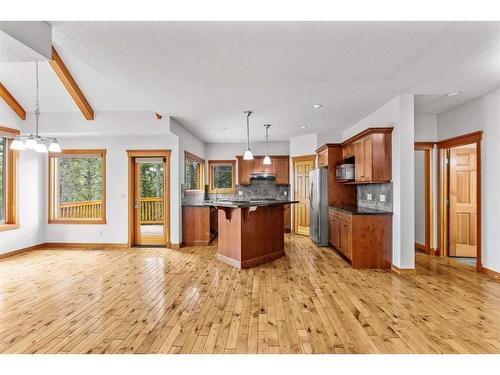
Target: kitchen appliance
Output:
[
  {"x": 318, "y": 198},
  {"x": 344, "y": 171},
  {"x": 262, "y": 176}
]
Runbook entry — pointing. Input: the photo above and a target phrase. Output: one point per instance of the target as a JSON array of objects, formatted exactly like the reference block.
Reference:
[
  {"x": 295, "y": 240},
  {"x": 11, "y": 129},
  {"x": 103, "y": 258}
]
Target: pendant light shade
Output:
[
  {"x": 248, "y": 154},
  {"x": 267, "y": 159},
  {"x": 35, "y": 142}
]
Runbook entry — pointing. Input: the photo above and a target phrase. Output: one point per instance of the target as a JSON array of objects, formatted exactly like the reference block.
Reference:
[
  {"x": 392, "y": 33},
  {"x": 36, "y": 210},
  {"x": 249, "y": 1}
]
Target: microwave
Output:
[{"x": 344, "y": 172}]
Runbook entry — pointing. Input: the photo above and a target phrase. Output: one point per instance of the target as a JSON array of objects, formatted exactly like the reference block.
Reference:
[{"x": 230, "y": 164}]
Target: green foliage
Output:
[
  {"x": 79, "y": 179},
  {"x": 223, "y": 176},
  {"x": 151, "y": 179},
  {"x": 192, "y": 175}
]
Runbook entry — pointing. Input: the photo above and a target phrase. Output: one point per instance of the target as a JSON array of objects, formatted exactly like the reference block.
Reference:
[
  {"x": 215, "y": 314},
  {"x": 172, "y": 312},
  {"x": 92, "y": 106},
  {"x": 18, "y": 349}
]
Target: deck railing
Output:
[
  {"x": 80, "y": 210},
  {"x": 151, "y": 210}
]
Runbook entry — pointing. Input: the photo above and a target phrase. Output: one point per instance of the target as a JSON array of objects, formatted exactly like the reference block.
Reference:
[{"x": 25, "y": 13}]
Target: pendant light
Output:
[
  {"x": 36, "y": 142},
  {"x": 267, "y": 159},
  {"x": 248, "y": 154}
]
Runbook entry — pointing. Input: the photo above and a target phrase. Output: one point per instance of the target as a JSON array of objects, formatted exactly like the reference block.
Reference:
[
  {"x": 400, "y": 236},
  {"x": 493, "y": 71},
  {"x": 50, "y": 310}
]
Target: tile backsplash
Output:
[
  {"x": 376, "y": 190},
  {"x": 258, "y": 189}
]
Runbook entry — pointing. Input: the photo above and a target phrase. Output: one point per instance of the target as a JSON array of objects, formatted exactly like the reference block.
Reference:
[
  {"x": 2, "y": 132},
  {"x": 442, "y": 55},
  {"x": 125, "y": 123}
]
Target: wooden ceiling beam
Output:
[
  {"x": 12, "y": 102},
  {"x": 70, "y": 84}
]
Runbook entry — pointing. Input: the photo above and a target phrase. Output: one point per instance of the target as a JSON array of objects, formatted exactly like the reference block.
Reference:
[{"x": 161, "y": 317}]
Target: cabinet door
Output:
[
  {"x": 336, "y": 231},
  {"x": 331, "y": 230},
  {"x": 359, "y": 160},
  {"x": 348, "y": 239},
  {"x": 323, "y": 158},
  {"x": 367, "y": 158},
  {"x": 281, "y": 170},
  {"x": 244, "y": 170},
  {"x": 344, "y": 236}
]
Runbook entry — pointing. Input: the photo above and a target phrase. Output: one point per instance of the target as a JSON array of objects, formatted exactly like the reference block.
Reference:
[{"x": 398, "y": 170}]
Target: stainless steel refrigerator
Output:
[{"x": 318, "y": 198}]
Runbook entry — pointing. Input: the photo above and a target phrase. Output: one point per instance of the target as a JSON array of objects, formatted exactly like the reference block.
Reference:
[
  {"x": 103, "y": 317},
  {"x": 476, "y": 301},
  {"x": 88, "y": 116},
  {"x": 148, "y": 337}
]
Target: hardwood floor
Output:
[{"x": 185, "y": 301}]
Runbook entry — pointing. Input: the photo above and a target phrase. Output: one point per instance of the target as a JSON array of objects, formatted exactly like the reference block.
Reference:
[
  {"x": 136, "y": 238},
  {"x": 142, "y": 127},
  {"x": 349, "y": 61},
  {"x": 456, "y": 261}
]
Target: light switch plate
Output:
[
  {"x": 382, "y": 197},
  {"x": 369, "y": 196}
]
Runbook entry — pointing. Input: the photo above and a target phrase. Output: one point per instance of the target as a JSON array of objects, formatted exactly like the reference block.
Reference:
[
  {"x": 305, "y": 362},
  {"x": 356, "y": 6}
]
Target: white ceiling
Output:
[{"x": 207, "y": 73}]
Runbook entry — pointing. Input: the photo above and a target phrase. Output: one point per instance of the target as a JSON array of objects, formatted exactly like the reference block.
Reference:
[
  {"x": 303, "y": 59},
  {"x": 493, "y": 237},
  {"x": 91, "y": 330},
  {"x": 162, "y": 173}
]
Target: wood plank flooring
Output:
[{"x": 185, "y": 301}]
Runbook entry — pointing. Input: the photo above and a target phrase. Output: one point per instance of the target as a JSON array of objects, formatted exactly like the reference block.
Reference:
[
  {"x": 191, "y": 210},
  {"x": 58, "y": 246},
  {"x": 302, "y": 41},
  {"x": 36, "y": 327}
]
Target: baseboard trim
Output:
[
  {"x": 232, "y": 262},
  {"x": 175, "y": 246},
  {"x": 21, "y": 251},
  {"x": 83, "y": 245},
  {"x": 490, "y": 273},
  {"x": 403, "y": 271},
  {"x": 420, "y": 247}
]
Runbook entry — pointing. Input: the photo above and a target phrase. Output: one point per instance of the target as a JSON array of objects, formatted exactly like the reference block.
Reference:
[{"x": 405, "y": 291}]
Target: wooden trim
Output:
[
  {"x": 68, "y": 81},
  {"x": 420, "y": 247},
  {"x": 461, "y": 140},
  {"x": 429, "y": 230},
  {"x": 52, "y": 219},
  {"x": 490, "y": 273},
  {"x": 132, "y": 154},
  {"x": 11, "y": 188},
  {"x": 8, "y": 131},
  {"x": 20, "y": 251},
  {"x": 303, "y": 158},
  {"x": 12, "y": 102},
  {"x": 210, "y": 176},
  {"x": 188, "y": 155},
  {"x": 174, "y": 246},
  {"x": 403, "y": 271},
  {"x": 367, "y": 132},
  {"x": 7, "y": 227},
  {"x": 421, "y": 146},
  {"x": 326, "y": 145},
  {"x": 150, "y": 153},
  {"x": 443, "y": 191},
  {"x": 82, "y": 246}
]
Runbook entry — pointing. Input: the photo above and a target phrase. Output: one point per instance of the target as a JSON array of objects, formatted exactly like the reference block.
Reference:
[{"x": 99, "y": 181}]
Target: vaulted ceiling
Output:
[{"x": 207, "y": 73}]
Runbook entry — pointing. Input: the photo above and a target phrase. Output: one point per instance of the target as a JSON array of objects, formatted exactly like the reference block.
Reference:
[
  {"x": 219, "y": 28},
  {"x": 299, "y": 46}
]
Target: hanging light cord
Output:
[
  {"x": 248, "y": 129},
  {"x": 267, "y": 140},
  {"x": 37, "y": 104}
]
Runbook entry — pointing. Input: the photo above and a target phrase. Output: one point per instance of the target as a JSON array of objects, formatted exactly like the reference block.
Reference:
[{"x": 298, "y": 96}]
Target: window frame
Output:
[
  {"x": 51, "y": 214},
  {"x": 12, "y": 157},
  {"x": 192, "y": 157},
  {"x": 212, "y": 163}
]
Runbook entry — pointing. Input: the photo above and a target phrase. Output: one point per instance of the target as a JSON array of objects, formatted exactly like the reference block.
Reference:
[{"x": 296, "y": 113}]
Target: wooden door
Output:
[
  {"x": 463, "y": 195},
  {"x": 301, "y": 209},
  {"x": 281, "y": 168},
  {"x": 149, "y": 201},
  {"x": 359, "y": 163},
  {"x": 367, "y": 159}
]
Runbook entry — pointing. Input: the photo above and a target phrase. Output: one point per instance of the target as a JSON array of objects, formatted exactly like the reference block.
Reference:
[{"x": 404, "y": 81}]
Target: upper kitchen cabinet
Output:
[
  {"x": 279, "y": 168},
  {"x": 372, "y": 151}
]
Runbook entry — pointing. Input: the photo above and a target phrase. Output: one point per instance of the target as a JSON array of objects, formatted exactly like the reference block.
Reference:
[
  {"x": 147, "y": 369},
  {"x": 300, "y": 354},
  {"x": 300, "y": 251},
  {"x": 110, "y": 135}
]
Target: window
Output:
[
  {"x": 194, "y": 173},
  {"x": 8, "y": 161},
  {"x": 221, "y": 176},
  {"x": 77, "y": 187}
]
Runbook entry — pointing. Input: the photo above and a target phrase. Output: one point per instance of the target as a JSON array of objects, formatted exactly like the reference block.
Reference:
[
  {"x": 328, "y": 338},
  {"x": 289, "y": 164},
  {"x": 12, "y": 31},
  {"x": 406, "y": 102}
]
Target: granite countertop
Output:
[
  {"x": 354, "y": 210},
  {"x": 241, "y": 204}
]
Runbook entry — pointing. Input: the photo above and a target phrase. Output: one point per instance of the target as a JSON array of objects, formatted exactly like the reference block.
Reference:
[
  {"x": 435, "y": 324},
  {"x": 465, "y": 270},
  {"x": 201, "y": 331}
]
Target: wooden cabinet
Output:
[
  {"x": 287, "y": 219},
  {"x": 199, "y": 225},
  {"x": 364, "y": 239},
  {"x": 280, "y": 166},
  {"x": 323, "y": 156},
  {"x": 372, "y": 151}
]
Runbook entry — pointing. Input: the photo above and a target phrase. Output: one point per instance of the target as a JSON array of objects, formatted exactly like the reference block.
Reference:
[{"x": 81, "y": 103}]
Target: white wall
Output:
[
  {"x": 304, "y": 145},
  {"x": 419, "y": 198},
  {"x": 31, "y": 194},
  {"x": 481, "y": 114},
  {"x": 116, "y": 132},
  {"x": 398, "y": 113},
  {"x": 425, "y": 128}
]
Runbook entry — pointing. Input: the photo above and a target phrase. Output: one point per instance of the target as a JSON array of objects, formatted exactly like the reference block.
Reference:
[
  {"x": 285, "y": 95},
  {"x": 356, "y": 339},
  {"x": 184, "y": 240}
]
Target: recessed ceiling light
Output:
[
  {"x": 453, "y": 94},
  {"x": 317, "y": 106},
  {"x": 303, "y": 126}
]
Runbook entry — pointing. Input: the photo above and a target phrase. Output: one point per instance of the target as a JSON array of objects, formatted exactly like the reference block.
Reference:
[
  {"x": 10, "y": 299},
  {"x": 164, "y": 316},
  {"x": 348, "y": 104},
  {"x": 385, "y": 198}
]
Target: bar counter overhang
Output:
[{"x": 250, "y": 233}]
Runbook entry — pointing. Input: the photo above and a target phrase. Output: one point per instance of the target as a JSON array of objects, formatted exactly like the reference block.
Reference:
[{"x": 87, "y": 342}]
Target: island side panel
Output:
[
  {"x": 372, "y": 239},
  {"x": 262, "y": 235},
  {"x": 229, "y": 240}
]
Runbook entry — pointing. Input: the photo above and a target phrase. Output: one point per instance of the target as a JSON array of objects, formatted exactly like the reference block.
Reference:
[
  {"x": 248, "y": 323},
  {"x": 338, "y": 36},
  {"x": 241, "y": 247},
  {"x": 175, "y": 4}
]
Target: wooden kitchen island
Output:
[{"x": 250, "y": 233}]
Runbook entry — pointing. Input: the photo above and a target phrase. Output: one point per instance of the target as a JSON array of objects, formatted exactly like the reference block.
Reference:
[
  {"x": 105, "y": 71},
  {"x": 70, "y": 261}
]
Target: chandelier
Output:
[{"x": 35, "y": 141}]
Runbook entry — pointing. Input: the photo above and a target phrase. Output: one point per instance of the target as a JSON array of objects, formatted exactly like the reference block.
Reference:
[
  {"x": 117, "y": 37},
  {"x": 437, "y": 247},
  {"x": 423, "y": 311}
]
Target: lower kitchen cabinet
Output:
[
  {"x": 363, "y": 238},
  {"x": 199, "y": 225}
]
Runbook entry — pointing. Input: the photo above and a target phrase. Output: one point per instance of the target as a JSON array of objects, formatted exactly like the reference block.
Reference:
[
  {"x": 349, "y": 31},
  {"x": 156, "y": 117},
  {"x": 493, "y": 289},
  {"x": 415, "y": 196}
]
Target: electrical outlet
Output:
[
  {"x": 382, "y": 197},
  {"x": 101, "y": 233},
  {"x": 285, "y": 193},
  {"x": 240, "y": 192},
  {"x": 368, "y": 197}
]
